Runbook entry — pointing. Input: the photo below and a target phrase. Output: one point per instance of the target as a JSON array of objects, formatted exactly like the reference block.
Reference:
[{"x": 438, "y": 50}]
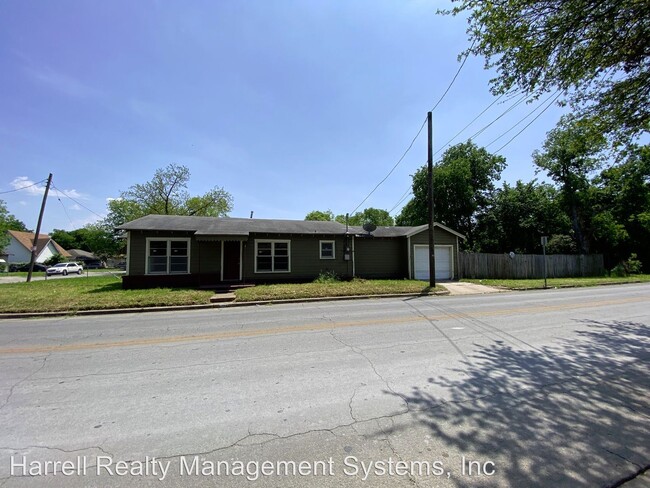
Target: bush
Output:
[
  {"x": 633, "y": 265},
  {"x": 55, "y": 259},
  {"x": 625, "y": 268},
  {"x": 327, "y": 277}
]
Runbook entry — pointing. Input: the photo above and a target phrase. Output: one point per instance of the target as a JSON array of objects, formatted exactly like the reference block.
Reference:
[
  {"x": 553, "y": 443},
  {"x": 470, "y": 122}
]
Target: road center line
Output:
[{"x": 224, "y": 335}]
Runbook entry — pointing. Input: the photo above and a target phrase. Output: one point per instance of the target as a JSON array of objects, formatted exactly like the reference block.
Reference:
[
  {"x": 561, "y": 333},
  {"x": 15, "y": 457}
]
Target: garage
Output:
[{"x": 444, "y": 263}]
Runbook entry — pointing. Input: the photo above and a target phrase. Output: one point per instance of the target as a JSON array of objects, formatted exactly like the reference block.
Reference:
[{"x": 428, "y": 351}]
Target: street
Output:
[{"x": 544, "y": 388}]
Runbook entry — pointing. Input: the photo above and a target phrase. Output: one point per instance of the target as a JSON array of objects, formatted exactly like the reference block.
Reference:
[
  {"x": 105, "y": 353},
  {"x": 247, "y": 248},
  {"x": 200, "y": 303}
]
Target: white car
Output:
[{"x": 64, "y": 269}]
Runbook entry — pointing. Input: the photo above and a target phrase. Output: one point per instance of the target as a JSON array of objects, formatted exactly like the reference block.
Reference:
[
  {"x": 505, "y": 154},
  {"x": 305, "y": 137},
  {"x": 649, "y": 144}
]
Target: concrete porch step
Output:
[{"x": 223, "y": 297}]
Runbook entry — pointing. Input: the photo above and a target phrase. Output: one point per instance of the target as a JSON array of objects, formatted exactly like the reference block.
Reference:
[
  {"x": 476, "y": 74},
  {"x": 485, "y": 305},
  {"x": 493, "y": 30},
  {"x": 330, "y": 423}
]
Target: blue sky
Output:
[{"x": 290, "y": 106}]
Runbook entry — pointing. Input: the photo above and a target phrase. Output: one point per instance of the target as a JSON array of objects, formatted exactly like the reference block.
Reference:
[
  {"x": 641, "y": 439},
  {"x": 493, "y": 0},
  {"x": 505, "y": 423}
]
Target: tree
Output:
[
  {"x": 68, "y": 239},
  {"x": 518, "y": 216},
  {"x": 570, "y": 154},
  {"x": 326, "y": 216},
  {"x": 596, "y": 53},
  {"x": 370, "y": 215},
  {"x": 8, "y": 222},
  {"x": 100, "y": 240},
  {"x": 620, "y": 203},
  {"x": 463, "y": 183},
  {"x": 167, "y": 194}
]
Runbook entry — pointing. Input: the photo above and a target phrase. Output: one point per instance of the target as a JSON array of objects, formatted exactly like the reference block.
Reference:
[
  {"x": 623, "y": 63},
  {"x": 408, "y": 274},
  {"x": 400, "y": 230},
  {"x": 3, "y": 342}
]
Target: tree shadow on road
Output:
[{"x": 576, "y": 414}]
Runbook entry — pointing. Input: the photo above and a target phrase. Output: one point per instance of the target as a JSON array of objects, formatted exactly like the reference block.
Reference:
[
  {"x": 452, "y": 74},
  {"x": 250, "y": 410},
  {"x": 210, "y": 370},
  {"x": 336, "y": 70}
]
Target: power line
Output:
[
  {"x": 401, "y": 199},
  {"x": 394, "y": 167},
  {"x": 521, "y": 120},
  {"x": 23, "y": 187},
  {"x": 453, "y": 80},
  {"x": 530, "y": 123},
  {"x": 66, "y": 211},
  {"x": 464, "y": 128},
  {"x": 78, "y": 203},
  {"x": 548, "y": 105},
  {"x": 504, "y": 113}
]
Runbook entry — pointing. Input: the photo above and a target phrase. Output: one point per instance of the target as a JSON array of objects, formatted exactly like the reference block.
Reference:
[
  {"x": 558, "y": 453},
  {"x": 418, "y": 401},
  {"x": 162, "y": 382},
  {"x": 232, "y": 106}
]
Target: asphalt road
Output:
[{"x": 547, "y": 388}]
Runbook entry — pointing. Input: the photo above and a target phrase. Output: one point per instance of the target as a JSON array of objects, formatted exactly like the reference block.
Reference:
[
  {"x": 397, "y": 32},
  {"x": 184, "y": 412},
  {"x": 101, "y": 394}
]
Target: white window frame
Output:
[
  {"x": 273, "y": 241},
  {"x": 169, "y": 240},
  {"x": 320, "y": 247}
]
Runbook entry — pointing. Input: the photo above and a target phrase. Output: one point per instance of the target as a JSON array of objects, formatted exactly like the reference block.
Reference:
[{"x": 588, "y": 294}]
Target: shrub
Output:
[
  {"x": 55, "y": 259},
  {"x": 625, "y": 268},
  {"x": 633, "y": 265},
  {"x": 327, "y": 277}
]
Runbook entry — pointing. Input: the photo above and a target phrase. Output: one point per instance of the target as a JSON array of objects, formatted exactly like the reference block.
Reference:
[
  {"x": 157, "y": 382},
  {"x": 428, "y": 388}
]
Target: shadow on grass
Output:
[
  {"x": 106, "y": 288},
  {"x": 576, "y": 414}
]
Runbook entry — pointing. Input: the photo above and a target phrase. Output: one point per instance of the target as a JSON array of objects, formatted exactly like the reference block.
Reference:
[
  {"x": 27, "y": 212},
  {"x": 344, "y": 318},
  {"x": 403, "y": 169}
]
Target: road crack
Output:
[
  {"x": 358, "y": 351},
  {"x": 15, "y": 385}
]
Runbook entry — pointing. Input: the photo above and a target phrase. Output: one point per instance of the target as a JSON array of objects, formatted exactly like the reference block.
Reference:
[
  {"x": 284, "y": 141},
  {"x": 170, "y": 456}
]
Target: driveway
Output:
[
  {"x": 463, "y": 288},
  {"x": 512, "y": 389}
]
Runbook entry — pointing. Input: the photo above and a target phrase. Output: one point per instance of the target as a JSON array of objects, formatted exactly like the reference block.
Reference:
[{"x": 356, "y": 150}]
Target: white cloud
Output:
[
  {"x": 62, "y": 83},
  {"x": 28, "y": 186},
  {"x": 74, "y": 206}
]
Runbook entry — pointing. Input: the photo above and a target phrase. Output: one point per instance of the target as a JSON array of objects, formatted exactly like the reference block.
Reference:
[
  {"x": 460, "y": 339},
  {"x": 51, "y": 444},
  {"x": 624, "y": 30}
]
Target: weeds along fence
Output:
[{"x": 522, "y": 266}]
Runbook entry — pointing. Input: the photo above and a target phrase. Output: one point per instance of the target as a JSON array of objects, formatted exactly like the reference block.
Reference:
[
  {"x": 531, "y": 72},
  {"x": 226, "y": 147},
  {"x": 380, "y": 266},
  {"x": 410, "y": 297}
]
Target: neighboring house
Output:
[
  {"x": 20, "y": 245},
  {"x": 89, "y": 260},
  {"x": 167, "y": 250}
]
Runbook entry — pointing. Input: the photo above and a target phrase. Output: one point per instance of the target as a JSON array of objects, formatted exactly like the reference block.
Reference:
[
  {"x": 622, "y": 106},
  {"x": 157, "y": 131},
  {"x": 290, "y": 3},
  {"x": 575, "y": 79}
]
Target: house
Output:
[
  {"x": 169, "y": 250},
  {"x": 88, "y": 259},
  {"x": 20, "y": 245}
]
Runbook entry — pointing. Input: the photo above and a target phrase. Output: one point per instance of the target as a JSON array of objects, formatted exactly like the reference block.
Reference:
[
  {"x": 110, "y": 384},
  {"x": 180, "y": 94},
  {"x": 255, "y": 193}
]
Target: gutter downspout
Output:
[{"x": 408, "y": 241}]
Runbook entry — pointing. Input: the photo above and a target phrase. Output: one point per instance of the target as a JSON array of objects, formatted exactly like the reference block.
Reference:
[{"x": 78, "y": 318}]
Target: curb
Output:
[
  {"x": 113, "y": 311},
  {"x": 561, "y": 287}
]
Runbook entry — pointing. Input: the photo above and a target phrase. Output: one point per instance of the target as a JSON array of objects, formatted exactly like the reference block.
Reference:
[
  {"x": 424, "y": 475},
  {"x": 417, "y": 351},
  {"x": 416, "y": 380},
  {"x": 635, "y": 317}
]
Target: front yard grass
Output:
[
  {"x": 90, "y": 293},
  {"x": 561, "y": 282},
  {"x": 333, "y": 289},
  {"x": 104, "y": 292}
]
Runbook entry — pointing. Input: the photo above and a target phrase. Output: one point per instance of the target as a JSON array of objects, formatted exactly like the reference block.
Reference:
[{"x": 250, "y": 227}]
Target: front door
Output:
[{"x": 232, "y": 260}]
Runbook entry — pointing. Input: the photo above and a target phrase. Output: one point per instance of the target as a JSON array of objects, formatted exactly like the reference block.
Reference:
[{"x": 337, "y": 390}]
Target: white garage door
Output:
[{"x": 443, "y": 262}]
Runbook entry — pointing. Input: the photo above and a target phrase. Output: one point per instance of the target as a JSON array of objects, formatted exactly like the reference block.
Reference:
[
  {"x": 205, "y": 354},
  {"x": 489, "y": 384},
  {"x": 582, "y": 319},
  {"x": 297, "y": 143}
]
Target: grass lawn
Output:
[
  {"x": 332, "y": 289},
  {"x": 560, "y": 282},
  {"x": 101, "y": 292},
  {"x": 94, "y": 292}
]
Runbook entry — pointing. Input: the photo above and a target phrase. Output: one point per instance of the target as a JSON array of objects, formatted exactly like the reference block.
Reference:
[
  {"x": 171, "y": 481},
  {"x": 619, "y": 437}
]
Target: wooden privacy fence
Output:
[{"x": 522, "y": 266}]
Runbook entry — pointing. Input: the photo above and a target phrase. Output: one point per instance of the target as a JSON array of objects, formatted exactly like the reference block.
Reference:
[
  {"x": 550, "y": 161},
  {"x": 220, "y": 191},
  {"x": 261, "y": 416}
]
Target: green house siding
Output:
[
  {"x": 374, "y": 257},
  {"x": 441, "y": 238},
  {"x": 304, "y": 258},
  {"x": 205, "y": 261},
  {"x": 380, "y": 257}
]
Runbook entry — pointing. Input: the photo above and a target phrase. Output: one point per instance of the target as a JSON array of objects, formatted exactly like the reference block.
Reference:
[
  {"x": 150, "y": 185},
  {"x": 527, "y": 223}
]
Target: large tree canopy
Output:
[
  {"x": 463, "y": 182},
  {"x": 570, "y": 154},
  {"x": 518, "y": 216},
  {"x": 167, "y": 194},
  {"x": 597, "y": 53},
  {"x": 320, "y": 215}
]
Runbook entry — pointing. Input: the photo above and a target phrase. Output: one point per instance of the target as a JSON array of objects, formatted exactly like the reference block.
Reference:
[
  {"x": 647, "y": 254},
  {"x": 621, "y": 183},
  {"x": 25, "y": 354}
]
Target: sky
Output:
[{"x": 290, "y": 106}]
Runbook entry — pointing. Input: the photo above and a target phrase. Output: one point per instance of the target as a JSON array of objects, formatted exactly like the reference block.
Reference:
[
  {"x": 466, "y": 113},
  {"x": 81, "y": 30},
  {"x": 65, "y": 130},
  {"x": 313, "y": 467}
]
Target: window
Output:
[
  {"x": 272, "y": 256},
  {"x": 327, "y": 249},
  {"x": 168, "y": 256}
]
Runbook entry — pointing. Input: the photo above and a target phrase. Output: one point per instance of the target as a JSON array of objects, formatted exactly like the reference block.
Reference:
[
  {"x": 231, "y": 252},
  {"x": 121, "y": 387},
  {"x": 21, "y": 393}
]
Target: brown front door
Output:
[{"x": 231, "y": 260}]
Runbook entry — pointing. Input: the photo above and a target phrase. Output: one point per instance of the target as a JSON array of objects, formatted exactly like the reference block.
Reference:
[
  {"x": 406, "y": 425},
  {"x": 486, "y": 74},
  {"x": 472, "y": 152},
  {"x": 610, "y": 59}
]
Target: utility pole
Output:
[
  {"x": 38, "y": 229},
  {"x": 432, "y": 246}
]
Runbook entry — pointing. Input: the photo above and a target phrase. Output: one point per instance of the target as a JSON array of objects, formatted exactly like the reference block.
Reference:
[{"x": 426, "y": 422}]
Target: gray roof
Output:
[
  {"x": 80, "y": 253},
  {"x": 393, "y": 231},
  {"x": 232, "y": 226},
  {"x": 212, "y": 226}
]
